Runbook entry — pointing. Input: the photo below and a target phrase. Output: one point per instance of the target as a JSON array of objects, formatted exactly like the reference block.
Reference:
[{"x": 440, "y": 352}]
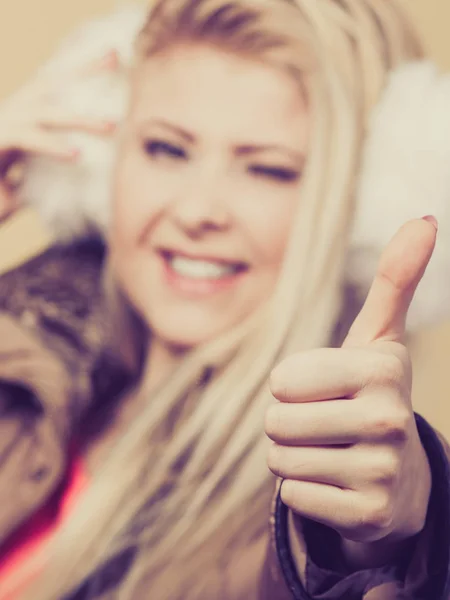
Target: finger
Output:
[
  {"x": 109, "y": 61},
  {"x": 329, "y": 423},
  {"x": 351, "y": 513},
  {"x": 399, "y": 272},
  {"x": 66, "y": 121},
  {"x": 377, "y": 416},
  {"x": 326, "y": 374},
  {"x": 341, "y": 466},
  {"x": 353, "y": 467},
  {"x": 41, "y": 143},
  {"x": 7, "y": 202}
]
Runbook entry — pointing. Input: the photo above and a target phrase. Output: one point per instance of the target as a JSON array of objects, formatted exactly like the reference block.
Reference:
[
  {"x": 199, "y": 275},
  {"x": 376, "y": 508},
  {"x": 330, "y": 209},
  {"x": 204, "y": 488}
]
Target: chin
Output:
[{"x": 186, "y": 330}]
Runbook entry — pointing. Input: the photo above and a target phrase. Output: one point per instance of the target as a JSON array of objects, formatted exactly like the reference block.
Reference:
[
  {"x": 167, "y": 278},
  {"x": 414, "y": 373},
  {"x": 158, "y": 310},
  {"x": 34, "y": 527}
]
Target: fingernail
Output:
[
  {"x": 110, "y": 59},
  {"x": 110, "y": 125},
  {"x": 431, "y": 220}
]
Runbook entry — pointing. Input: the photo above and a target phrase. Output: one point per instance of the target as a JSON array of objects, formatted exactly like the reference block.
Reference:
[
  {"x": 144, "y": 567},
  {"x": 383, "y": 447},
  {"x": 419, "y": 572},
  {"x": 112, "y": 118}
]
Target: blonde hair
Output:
[{"x": 175, "y": 486}]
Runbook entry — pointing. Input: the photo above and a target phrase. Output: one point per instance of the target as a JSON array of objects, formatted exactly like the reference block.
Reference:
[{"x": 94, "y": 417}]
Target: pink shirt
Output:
[{"x": 35, "y": 533}]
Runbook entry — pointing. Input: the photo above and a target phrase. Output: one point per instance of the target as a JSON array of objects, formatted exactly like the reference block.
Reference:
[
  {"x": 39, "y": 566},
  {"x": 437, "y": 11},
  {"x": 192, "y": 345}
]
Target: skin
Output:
[
  {"x": 200, "y": 179},
  {"x": 344, "y": 435},
  {"x": 343, "y": 429},
  {"x": 29, "y": 124}
]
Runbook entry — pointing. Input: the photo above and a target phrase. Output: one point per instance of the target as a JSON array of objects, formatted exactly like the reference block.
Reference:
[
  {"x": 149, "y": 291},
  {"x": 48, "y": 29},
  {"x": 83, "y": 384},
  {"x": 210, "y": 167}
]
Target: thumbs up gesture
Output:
[{"x": 344, "y": 435}]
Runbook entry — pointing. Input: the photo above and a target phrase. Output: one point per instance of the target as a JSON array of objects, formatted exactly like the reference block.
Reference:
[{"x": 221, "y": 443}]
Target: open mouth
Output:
[{"x": 201, "y": 268}]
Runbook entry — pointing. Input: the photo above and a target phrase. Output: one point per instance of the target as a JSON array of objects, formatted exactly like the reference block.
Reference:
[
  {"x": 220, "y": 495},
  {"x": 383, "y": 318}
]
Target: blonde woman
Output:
[{"x": 135, "y": 386}]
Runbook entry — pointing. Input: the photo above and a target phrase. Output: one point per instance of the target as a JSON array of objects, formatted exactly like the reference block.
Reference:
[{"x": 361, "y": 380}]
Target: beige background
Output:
[{"x": 29, "y": 30}]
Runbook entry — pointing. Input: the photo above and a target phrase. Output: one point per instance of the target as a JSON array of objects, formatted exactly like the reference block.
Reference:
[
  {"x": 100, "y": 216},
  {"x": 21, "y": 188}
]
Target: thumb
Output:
[{"x": 399, "y": 272}]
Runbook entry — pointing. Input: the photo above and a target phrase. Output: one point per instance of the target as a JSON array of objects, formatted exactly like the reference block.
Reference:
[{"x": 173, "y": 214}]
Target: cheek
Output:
[
  {"x": 267, "y": 221},
  {"x": 140, "y": 197}
]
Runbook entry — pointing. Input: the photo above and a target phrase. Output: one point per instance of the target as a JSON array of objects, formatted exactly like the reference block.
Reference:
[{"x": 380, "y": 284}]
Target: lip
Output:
[
  {"x": 168, "y": 253},
  {"x": 199, "y": 288}
]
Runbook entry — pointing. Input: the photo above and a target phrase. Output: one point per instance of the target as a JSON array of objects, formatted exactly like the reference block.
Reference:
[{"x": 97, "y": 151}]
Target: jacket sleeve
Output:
[
  {"x": 35, "y": 394},
  {"x": 55, "y": 361},
  {"x": 318, "y": 573}
]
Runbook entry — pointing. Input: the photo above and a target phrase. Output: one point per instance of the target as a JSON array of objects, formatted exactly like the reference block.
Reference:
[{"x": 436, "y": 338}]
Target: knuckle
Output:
[
  {"x": 372, "y": 520},
  {"x": 276, "y": 384},
  {"x": 273, "y": 421},
  {"x": 275, "y": 459},
  {"x": 282, "y": 391},
  {"x": 281, "y": 382},
  {"x": 285, "y": 380},
  {"x": 389, "y": 424},
  {"x": 397, "y": 426},
  {"x": 379, "y": 516},
  {"x": 389, "y": 370},
  {"x": 385, "y": 468}
]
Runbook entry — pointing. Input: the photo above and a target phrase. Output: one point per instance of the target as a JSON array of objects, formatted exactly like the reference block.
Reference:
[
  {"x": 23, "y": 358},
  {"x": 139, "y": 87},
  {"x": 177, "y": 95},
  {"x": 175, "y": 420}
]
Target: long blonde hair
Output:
[{"x": 175, "y": 486}]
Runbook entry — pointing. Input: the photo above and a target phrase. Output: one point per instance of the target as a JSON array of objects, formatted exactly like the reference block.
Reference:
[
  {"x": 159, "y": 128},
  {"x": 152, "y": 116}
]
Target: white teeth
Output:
[{"x": 199, "y": 269}]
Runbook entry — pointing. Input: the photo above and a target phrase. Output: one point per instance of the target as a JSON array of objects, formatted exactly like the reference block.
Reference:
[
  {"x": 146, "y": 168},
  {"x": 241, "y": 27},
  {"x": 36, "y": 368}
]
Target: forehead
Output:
[{"x": 208, "y": 90}]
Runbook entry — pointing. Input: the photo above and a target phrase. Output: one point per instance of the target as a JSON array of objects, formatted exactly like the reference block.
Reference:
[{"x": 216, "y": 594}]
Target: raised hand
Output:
[
  {"x": 30, "y": 122},
  {"x": 344, "y": 435}
]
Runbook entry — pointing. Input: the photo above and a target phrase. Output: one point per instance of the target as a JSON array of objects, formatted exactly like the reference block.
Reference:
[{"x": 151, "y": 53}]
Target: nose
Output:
[{"x": 201, "y": 206}]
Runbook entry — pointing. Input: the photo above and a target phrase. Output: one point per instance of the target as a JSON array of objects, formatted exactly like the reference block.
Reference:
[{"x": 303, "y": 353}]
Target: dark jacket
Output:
[{"x": 57, "y": 360}]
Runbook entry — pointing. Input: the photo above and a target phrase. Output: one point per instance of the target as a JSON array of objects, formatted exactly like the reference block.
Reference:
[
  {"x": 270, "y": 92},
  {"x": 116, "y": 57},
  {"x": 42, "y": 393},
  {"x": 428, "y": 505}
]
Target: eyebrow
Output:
[
  {"x": 254, "y": 149},
  {"x": 186, "y": 135},
  {"x": 241, "y": 150}
]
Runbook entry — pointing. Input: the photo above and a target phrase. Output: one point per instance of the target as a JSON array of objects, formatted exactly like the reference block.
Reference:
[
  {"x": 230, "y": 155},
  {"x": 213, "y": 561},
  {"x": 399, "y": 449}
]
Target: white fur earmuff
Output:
[
  {"x": 74, "y": 197},
  {"x": 405, "y": 169}
]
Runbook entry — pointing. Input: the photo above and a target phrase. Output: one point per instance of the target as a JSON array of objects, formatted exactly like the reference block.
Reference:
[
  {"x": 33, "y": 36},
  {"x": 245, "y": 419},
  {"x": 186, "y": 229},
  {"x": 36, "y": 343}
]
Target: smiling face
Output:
[{"x": 207, "y": 184}]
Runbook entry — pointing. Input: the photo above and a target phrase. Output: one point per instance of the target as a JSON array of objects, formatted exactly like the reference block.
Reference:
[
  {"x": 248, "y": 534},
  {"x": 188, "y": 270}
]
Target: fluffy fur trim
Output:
[
  {"x": 406, "y": 174},
  {"x": 405, "y": 168},
  {"x": 73, "y": 198}
]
